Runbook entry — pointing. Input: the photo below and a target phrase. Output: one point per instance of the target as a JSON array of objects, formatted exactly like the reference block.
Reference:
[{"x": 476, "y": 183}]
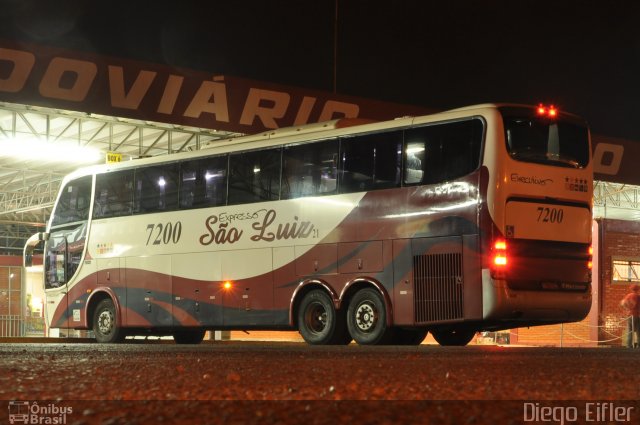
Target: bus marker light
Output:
[
  {"x": 544, "y": 111},
  {"x": 226, "y": 285}
]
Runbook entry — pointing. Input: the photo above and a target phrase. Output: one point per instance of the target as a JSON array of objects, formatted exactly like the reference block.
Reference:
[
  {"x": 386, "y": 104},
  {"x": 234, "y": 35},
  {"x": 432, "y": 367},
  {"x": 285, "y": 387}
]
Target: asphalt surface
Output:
[{"x": 250, "y": 382}]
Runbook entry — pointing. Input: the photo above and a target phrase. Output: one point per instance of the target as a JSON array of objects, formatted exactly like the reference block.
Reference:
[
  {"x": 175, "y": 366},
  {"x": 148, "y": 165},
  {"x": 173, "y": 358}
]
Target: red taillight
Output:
[
  {"x": 590, "y": 262},
  {"x": 499, "y": 256}
]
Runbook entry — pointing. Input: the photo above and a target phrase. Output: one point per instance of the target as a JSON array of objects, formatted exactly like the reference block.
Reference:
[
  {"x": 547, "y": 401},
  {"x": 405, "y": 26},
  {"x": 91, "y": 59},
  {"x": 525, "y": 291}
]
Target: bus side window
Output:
[
  {"x": 114, "y": 194},
  {"x": 203, "y": 182},
  {"x": 156, "y": 189},
  {"x": 310, "y": 169},
  {"x": 370, "y": 161},
  {"x": 442, "y": 152},
  {"x": 254, "y": 176}
]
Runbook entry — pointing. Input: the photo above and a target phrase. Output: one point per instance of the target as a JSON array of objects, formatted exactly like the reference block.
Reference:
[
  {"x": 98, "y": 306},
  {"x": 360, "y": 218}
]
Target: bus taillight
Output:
[
  {"x": 499, "y": 257},
  {"x": 590, "y": 262},
  {"x": 500, "y": 253}
]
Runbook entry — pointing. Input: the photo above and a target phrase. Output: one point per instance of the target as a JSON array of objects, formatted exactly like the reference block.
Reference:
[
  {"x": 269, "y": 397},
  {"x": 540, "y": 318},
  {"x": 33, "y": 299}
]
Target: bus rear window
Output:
[{"x": 559, "y": 142}]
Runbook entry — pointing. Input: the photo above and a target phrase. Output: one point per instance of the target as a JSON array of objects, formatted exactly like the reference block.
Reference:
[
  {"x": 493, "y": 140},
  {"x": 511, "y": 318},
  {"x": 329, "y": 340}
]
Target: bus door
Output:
[
  {"x": 62, "y": 257},
  {"x": 55, "y": 281}
]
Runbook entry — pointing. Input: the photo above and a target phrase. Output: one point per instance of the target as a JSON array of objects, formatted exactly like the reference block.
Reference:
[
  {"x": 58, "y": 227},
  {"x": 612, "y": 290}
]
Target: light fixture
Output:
[{"x": 29, "y": 149}]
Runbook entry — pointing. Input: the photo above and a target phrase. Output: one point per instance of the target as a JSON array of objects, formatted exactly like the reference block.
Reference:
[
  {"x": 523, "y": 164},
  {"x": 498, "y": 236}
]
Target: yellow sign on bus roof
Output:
[{"x": 113, "y": 157}]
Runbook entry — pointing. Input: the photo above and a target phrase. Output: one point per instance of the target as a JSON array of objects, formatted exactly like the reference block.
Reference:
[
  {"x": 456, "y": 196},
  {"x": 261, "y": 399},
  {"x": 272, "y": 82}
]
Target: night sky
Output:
[{"x": 583, "y": 56}]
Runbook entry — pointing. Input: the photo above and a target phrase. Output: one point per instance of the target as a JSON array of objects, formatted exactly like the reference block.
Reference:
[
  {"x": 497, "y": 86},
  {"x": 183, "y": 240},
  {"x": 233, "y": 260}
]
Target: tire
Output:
[
  {"x": 367, "y": 318},
  {"x": 408, "y": 336},
  {"x": 105, "y": 323},
  {"x": 453, "y": 337},
  {"x": 319, "y": 322},
  {"x": 189, "y": 336}
]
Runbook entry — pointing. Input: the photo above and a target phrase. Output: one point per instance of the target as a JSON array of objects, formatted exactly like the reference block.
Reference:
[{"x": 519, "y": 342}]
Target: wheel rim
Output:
[
  {"x": 105, "y": 322},
  {"x": 366, "y": 317},
  {"x": 316, "y": 318}
]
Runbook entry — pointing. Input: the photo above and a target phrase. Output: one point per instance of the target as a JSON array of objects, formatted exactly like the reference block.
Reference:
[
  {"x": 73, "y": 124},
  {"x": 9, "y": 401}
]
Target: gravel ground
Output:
[{"x": 242, "y": 382}]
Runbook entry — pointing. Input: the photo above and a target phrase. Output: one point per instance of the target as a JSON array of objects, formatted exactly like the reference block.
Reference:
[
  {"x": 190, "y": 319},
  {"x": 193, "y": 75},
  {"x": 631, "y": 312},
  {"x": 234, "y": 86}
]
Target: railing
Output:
[{"x": 17, "y": 326}]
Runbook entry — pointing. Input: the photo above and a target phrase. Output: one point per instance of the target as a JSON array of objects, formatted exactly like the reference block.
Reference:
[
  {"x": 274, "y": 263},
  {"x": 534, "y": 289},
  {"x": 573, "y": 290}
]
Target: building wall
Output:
[
  {"x": 619, "y": 239},
  {"x": 12, "y": 305},
  {"x": 10, "y": 290}
]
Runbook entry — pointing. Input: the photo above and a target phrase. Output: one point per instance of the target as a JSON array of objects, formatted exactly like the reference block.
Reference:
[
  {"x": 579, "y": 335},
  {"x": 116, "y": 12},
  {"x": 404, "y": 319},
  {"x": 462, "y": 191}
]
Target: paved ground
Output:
[{"x": 242, "y": 382}]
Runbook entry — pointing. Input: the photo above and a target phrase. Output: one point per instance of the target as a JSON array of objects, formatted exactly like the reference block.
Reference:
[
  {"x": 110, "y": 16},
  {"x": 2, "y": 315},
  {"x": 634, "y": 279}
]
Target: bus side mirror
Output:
[{"x": 32, "y": 243}]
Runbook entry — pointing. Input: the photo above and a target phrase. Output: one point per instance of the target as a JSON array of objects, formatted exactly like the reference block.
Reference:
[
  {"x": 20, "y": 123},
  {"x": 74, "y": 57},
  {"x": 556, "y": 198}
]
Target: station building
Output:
[{"x": 121, "y": 109}]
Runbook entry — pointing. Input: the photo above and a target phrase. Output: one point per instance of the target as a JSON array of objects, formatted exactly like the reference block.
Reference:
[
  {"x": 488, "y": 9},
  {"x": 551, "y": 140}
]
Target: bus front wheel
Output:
[
  {"x": 367, "y": 318},
  {"x": 454, "y": 336},
  {"x": 105, "y": 324},
  {"x": 319, "y": 322}
]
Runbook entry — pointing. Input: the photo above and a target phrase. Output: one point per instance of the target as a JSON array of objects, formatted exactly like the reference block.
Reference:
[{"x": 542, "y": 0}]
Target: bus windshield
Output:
[{"x": 562, "y": 142}]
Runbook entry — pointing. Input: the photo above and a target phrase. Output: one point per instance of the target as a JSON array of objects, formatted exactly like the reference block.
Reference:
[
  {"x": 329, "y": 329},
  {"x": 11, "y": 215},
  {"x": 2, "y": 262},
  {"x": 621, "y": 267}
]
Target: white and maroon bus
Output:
[{"x": 473, "y": 219}]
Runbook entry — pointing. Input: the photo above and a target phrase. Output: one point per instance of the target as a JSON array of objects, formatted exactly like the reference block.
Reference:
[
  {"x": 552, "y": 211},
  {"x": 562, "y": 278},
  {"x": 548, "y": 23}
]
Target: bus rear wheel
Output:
[
  {"x": 319, "y": 322},
  {"x": 189, "y": 336},
  {"x": 105, "y": 324},
  {"x": 453, "y": 336},
  {"x": 367, "y": 318}
]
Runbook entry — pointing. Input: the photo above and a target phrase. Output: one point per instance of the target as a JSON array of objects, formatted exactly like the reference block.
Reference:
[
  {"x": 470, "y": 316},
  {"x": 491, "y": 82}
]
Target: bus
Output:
[{"x": 473, "y": 219}]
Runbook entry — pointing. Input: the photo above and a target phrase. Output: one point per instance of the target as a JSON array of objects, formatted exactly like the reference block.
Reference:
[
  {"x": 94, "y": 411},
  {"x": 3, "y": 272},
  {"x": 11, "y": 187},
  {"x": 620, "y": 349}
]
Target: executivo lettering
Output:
[{"x": 515, "y": 177}]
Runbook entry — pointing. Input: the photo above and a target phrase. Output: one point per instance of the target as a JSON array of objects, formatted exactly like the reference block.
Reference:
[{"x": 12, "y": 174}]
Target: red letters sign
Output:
[{"x": 52, "y": 77}]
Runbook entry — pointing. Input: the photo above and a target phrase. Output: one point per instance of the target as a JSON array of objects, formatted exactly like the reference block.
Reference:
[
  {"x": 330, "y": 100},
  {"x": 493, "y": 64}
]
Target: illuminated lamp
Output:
[
  {"x": 24, "y": 148},
  {"x": 227, "y": 285},
  {"x": 499, "y": 258},
  {"x": 550, "y": 112}
]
